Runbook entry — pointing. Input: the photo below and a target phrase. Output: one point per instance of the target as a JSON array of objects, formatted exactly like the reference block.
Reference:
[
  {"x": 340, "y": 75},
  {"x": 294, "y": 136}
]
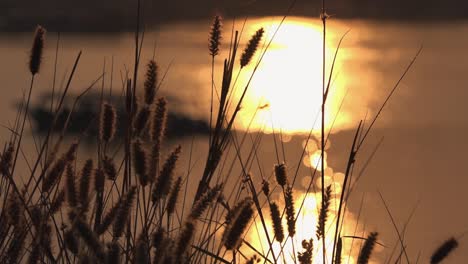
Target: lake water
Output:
[{"x": 424, "y": 125}]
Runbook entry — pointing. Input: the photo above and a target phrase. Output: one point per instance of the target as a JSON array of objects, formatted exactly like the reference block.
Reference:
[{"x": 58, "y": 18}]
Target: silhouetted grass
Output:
[{"x": 127, "y": 205}]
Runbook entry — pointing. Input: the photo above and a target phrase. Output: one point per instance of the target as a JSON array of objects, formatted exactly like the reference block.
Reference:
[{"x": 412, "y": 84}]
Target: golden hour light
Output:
[
  {"x": 288, "y": 83},
  {"x": 306, "y": 226},
  {"x": 233, "y": 132}
]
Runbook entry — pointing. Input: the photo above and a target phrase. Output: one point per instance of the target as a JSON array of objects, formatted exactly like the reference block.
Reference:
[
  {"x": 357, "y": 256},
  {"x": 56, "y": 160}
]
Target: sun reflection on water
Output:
[{"x": 289, "y": 81}]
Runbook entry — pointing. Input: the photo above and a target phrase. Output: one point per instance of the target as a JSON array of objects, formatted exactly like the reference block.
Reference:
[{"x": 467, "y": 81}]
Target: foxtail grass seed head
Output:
[
  {"x": 339, "y": 248},
  {"x": 444, "y": 250},
  {"x": 280, "y": 173},
  {"x": 164, "y": 252},
  {"x": 290, "y": 212},
  {"x": 108, "y": 166},
  {"x": 35, "y": 253},
  {"x": 141, "y": 250},
  {"x": 306, "y": 256},
  {"x": 140, "y": 162},
  {"x": 85, "y": 182},
  {"x": 7, "y": 160},
  {"x": 266, "y": 188},
  {"x": 232, "y": 213},
  {"x": 276, "y": 219},
  {"x": 123, "y": 212},
  {"x": 36, "y": 216},
  {"x": 151, "y": 82},
  {"x": 154, "y": 161},
  {"x": 16, "y": 246},
  {"x": 215, "y": 36},
  {"x": 110, "y": 216},
  {"x": 141, "y": 120},
  {"x": 71, "y": 241},
  {"x": 233, "y": 233},
  {"x": 54, "y": 174},
  {"x": 35, "y": 58},
  {"x": 14, "y": 209},
  {"x": 59, "y": 167},
  {"x": 70, "y": 155},
  {"x": 57, "y": 202},
  {"x": 113, "y": 253},
  {"x": 164, "y": 180},
  {"x": 367, "y": 248},
  {"x": 323, "y": 215},
  {"x": 184, "y": 240},
  {"x": 251, "y": 48},
  {"x": 205, "y": 201},
  {"x": 253, "y": 260},
  {"x": 107, "y": 122},
  {"x": 173, "y": 196},
  {"x": 158, "y": 237},
  {"x": 99, "y": 180},
  {"x": 158, "y": 121},
  {"x": 71, "y": 186},
  {"x": 90, "y": 239}
]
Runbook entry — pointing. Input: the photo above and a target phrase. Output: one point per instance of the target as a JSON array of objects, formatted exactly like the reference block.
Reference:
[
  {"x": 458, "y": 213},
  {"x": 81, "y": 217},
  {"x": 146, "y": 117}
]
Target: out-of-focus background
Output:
[{"x": 421, "y": 161}]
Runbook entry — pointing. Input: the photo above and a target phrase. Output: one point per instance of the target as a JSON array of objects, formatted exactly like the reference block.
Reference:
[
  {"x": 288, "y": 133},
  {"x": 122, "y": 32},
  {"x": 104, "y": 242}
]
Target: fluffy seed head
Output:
[
  {"x": 107, "y": 122},
  {"x": 123, "y": 212},
  {"x": 16, "y": 246},
  {"x": 276, "y": 219},
  {"x": 158, "y": 121},
  {"x": 158, "y": 237},
  {"x": 233, "y": 232},
  {"x": 280, "y": 173},
  {"x": 150, "y": 82},
  {"x": 85, "y": 180},
  {"x": 202, "y": 204},
  {"x": 251, "y": 48},
  {"x": 266, "y": 188},
  {"x": 141, "y": 120},
  {"x": 99, "y": 180},
  {"x": 323, "y": 215},
  {"x": 367, "y": 248},
  {"x": 90, "y": 238},
  {"x": 36, "y": 50},
  {"x": 71, "y": 241},
  {"x": 164, "y": 180},
  {"x": 140, "y": 162},
  {"x": 173, "y": 196},
  {"x": 71, "y": 186},
  {"x": 290, "y": 212},
  {"x": 142, "y": 249},
  {"x": 57, "y": 202},
  {"x": 54, "y": 174},
  {"x": 184, "y": 239},
  {"x": 339, "y": 248},
  {"x": 306, "y": 256},
  {"x": 110, "y": 216},
  {"x": 7, "y": 160},
  {"x": 444, "y": 250},
  {"x": 232, "y": 213},
  {"x": 113, "y": 252},
  {"x": 109, "y": 168},
  {"x": 215, "y": 36}
]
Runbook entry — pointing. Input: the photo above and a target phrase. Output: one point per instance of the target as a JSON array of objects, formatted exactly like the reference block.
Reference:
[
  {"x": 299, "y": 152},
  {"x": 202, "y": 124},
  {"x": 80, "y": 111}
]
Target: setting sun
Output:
[{"x": 287, "y": 88}]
